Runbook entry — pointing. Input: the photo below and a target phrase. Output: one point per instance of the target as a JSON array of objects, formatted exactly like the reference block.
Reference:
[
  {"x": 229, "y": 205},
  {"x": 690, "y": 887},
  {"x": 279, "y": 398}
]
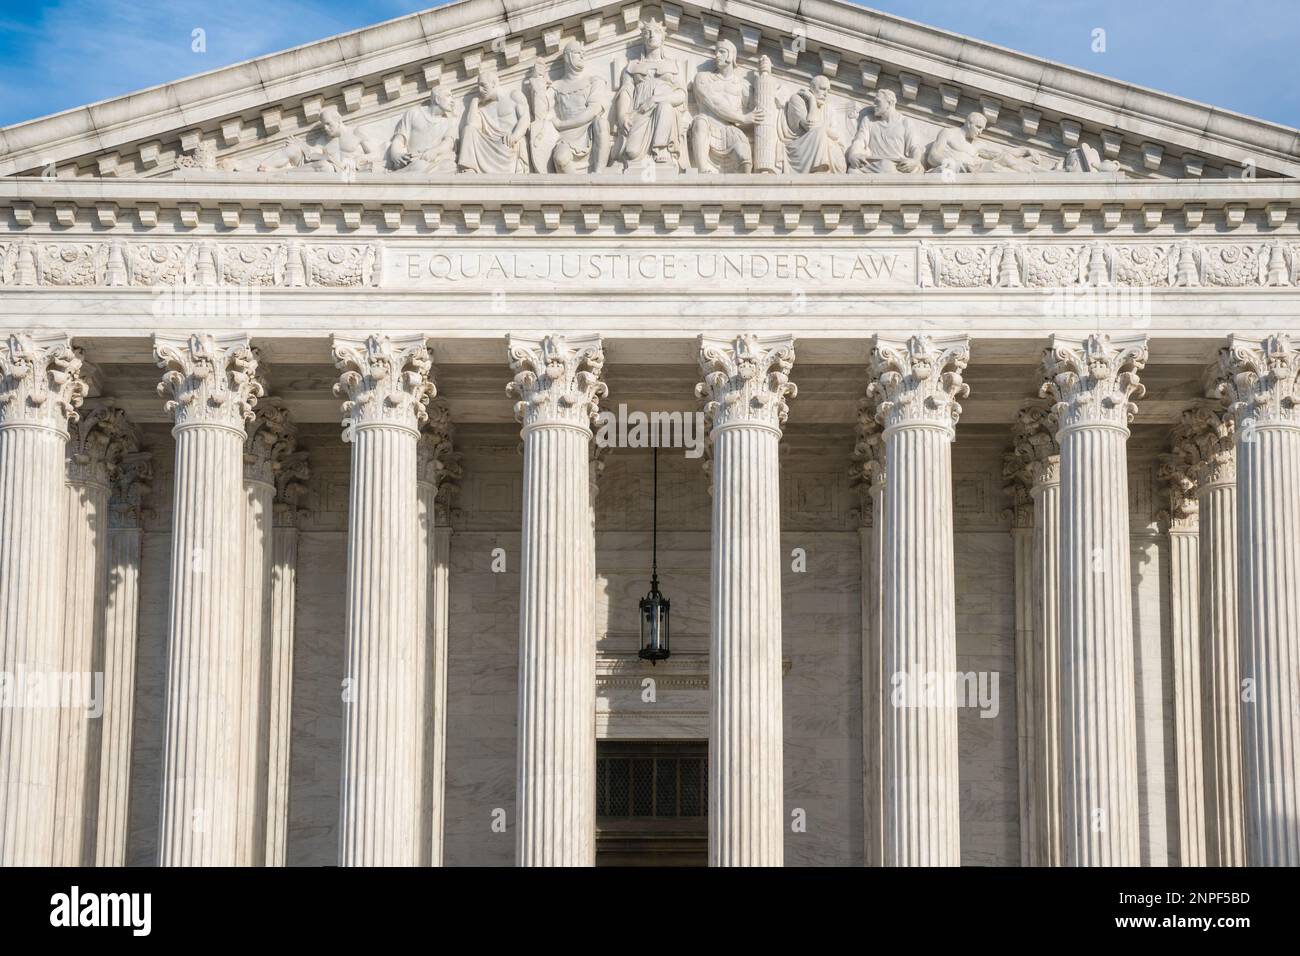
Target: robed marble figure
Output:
[
  {"x": 492, "y": 141},
  {"x": 648, "y": 110}
]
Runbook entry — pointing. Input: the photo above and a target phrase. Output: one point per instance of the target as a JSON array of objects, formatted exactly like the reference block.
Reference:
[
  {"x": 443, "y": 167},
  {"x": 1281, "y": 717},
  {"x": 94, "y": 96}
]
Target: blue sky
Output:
[{"x": 1240, "y": 55}]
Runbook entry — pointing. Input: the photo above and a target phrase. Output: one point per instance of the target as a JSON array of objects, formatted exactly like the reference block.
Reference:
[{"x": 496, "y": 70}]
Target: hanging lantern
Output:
[{"x": 654, "y": 606}]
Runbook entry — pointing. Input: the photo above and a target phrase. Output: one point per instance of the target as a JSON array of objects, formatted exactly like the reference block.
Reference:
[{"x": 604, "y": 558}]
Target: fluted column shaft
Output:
[
  {"x": 84, "y": 586},
  {"x": 557, "y": 386},
  {"x": 40, "y": 389},
  {"x": 746, "y": 387},
  {"x": 386, "y": 384},
  {"x": 210, "y": 381},
  {"x": 1092, "y": 380},
  {"x": 1189, "y": 760},
  {"x": 1022, "y": 545},
  {"x": 1220, "y": 670},
  {"x": 439, "y": 580},
  {"x": 284, "y": 582},
  {"x": 917, "y": 384},
  {"x": 121, "y": 627},
  {"x": 259, "y": 494},
  {"x": 1045, "y": 673},
  {"x": 1263, "y": 387},
  {"x": 873, "y": 681}
]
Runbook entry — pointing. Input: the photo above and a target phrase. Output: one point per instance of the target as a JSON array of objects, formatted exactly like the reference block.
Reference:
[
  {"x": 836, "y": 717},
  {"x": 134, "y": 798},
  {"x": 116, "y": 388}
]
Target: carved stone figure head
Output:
[
  {"x": 488, "y": 84},
  {"x": 575, "y": 58},
  {"x": 821, "y": 88},
  {"x": 331, "y": 121},
  {"x": 724, "y": 51},
  {"x": 884, "y": 103},
  {"x": 440, "y": 101},
  {"x": 974, "y": 125},
  {"x": 652, "y": 34}
]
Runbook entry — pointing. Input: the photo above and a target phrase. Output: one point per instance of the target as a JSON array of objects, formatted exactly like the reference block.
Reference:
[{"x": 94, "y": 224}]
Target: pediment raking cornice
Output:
[{"x": 383, "y": 69}]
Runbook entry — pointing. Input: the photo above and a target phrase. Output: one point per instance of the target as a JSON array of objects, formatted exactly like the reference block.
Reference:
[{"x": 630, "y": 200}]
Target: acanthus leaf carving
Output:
[
  {"x": 272, "y": 438},
  {"x": 1033, "y": 460},
  {"x": 1093, "y": 379},
  {"x": 918, "y": 381},
  {"x": 208, "y": 379},
  {"x": 98, "y": 441},
  {"x": 746, "y": 380},
  {"x": 384, "y": 380},
  {"x": 557, "y": 379},
  {"x": 130, "y": 484},
  {"x": 1261, "y": 381},
  {"x": 41, "y": 380}
]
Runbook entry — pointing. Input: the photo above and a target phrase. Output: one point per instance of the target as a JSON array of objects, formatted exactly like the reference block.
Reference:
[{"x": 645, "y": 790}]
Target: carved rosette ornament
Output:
[
  {"x": 746, "y": 380},
  {"x": 1092, "y": 380},
  {"x": 384, "y": 380},
  {"x": 919, "y": 382},
  {"x": 208, "y": 379},
  {"x": 557, "y": 379},
  {"x": 41, "y": 380}
]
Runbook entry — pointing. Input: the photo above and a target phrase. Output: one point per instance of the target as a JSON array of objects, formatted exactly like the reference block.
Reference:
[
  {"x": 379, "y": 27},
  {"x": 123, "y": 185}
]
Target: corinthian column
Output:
[
  {"x": 130, "y": 484},
  {"x": 869, "y": 474},
  {"x": 95, "y": 447},
  {"x": 435, "y": 466},
  {"x": 1038, "y": 476},
  {"x": 1092, "y": 380},
  {"x": 271, "y": 438},
  {"x": 1213, "y": 435},
  {"x": 291, "y": 474},
  {"x": 917, "y": 384},
  {"x": 387, "y": 387},
  {"x": 40, "y": 390},
  {"x": 1177, "y": 470},
  {"x": 1263, "y": 390},
  {"x": 212, "y": 387},
  {"x": 746, "y": 387},
  {"x": 557, "y": 386}
]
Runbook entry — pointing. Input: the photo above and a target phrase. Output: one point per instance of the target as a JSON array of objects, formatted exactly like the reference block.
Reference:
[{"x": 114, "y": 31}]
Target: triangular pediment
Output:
[{"x": 268, "y": 112}]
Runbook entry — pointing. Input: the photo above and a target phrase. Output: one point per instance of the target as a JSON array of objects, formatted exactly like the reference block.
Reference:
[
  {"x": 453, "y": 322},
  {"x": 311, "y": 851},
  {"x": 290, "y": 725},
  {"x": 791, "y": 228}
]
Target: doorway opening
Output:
[{"x": 652, "y": 803}]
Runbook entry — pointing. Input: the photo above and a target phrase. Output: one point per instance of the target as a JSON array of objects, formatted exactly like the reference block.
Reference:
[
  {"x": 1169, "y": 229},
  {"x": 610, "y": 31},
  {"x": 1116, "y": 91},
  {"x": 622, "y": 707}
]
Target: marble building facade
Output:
[{"x": 301, "y": 369}]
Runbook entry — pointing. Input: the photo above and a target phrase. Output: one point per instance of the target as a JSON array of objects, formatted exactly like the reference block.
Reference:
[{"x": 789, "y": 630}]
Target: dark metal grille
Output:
[{"x": 651, "y": 785}]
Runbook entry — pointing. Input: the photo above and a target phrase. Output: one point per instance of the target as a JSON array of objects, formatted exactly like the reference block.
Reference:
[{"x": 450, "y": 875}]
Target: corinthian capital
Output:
[
  {"x": 867, "y": 473},
  {"x": 384, "y": 380},
  {"x": 208, "y": 379},
  {"x": 1092, "y": 379},
  {"x": 291, "y": 476},
  {"x": 272, "y": 438},
  {"x": 437, "y": 461},
  {"x": 746, "y": 379},
  {"x": 1261, "y": 380},
  {"x": 130, "y": 479},
  {"x": 1206, "y": 436},
  {"x": 919, "y": 381},
  {"x": 98, "y": 441},
  {"x": 41, "y": 380},
  {"x": 1033, "y": 460},
  {"x": 557, "y": 379}
]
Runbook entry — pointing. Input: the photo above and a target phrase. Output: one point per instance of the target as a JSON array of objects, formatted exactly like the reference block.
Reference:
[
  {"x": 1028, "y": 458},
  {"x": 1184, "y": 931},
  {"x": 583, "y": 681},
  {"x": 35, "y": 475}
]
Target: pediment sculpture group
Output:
[{"x": 729, "y": 120}]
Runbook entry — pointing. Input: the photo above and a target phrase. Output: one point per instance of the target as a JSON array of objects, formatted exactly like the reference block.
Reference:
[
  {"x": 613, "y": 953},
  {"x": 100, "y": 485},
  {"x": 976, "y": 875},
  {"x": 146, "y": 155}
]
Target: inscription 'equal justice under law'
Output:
[{"x": 893, "y": 266}]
